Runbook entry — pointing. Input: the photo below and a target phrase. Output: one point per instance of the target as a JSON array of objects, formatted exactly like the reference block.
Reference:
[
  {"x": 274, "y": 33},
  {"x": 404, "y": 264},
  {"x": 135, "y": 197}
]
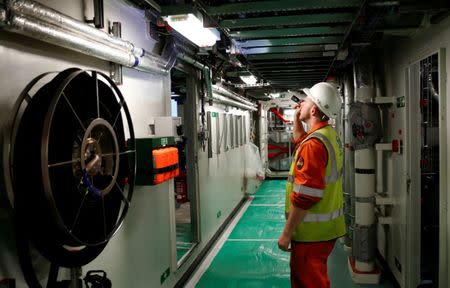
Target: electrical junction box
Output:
[{"x": 156, "y": 160}]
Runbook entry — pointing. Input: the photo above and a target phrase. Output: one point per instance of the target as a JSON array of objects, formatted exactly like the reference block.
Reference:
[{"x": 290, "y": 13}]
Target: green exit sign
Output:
[{"x": 400, "y": 101}]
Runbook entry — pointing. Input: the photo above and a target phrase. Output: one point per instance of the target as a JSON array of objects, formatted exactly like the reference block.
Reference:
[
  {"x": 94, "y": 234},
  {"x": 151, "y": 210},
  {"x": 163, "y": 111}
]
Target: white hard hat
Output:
[{"x": 326, "y": 97}]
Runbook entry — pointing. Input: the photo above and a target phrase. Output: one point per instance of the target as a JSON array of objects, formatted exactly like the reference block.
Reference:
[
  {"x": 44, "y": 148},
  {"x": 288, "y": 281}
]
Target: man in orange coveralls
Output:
[{"x": 314, "y": 199}]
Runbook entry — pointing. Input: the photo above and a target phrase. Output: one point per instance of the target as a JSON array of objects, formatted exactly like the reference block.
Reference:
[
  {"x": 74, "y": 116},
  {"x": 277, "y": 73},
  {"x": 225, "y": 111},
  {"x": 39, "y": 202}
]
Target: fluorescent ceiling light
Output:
[
  {"x": 250, "y": 79},
  {"x": 192, "y": 28}
]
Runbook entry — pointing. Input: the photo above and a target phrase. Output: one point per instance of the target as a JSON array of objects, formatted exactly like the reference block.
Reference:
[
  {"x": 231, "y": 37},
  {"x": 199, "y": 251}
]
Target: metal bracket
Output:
[
  {"x": 380, "y": 200},
  {"x": 116, "y": 69},
  {"x": 383, "y": 146},
  {"x": 385, "y": 100}
]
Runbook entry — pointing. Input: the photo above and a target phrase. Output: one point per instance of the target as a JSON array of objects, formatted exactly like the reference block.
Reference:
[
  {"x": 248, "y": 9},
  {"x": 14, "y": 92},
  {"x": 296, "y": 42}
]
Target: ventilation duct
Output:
[
  {"x": 363, "y": 78},
  {"x": 37, "y": 21}
]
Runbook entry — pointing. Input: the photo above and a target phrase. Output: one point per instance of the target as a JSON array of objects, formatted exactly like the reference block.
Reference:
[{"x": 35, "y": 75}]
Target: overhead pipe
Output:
[
  {"x": 40, "y": 22},
  {"x": 205, "y": 69},
  {"x": 228, "y": 101},
  {"x": 218, "y": 93},
  {"x": 193, "y": 62},
  {"x": 362, "y": 264},
  {"x": 49, "y": 15},
  {"x": 232, "y": 95},
  {"x": 48, "y": 33}
]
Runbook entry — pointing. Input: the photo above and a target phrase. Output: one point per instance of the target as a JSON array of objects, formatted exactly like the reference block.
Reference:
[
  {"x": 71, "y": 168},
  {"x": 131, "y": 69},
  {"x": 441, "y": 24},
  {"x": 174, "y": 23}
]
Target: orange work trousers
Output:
[{"x": 309, "y": 264}]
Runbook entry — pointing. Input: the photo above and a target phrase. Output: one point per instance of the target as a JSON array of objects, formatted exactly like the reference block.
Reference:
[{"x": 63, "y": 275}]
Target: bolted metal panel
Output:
[
  {"x": 305, "y": 31},
  {"x": 286, "y": 56},
  {"x": 280, "y": 5},
  {"x": 287, "y": 20},
  {"x": 289, "y": 41}
]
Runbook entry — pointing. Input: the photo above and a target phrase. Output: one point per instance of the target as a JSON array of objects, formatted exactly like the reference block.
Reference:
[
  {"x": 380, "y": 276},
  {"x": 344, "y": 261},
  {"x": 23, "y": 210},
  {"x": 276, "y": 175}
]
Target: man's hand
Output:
[
  {"x": 283, "y": 242},
  {"x": 295, "y": 217},
  {"x": 298, "y": 131}
]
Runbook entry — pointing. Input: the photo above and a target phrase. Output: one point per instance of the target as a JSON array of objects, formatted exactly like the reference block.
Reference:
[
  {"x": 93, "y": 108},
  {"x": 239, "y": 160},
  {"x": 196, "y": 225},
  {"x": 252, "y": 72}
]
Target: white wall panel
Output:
[
  {"x": 399, "y": 53},
  {"x": 221, "y": 179}
]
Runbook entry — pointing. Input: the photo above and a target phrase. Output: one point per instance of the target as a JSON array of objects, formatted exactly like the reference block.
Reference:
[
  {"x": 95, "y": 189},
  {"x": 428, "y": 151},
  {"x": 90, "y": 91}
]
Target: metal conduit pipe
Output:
[
  {"x": 364, "y": 233},
  {"x": 49, "y": 15},
  {"x": 349, "y": 156},
  {"x": 195, "y": 63},
  {"x": 232, "y": 95},
  {"x": 51, "y": 34},
  {"x": 227, "y": 101},
  {"x": 201, "y": 66},
  {"x": 221, "y": 94}
]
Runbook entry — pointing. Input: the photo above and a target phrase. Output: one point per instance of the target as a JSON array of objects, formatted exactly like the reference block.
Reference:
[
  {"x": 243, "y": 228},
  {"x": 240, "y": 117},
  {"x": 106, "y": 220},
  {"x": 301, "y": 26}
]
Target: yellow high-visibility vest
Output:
[{"x": 325, "y": 219}]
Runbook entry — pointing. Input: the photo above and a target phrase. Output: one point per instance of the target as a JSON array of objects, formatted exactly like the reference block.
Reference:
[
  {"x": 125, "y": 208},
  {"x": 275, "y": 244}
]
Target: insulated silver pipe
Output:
[
  {"x": 49, "y": 15},
  {"x": 232, "y": 95},
  {"x": 227, "y": 101},
  {"x": 51, "y": 34}
]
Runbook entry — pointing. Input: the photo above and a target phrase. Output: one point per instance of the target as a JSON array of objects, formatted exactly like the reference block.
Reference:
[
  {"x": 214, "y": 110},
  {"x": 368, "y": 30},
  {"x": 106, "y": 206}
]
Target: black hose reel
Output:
[{"x": 72, "y": 168}]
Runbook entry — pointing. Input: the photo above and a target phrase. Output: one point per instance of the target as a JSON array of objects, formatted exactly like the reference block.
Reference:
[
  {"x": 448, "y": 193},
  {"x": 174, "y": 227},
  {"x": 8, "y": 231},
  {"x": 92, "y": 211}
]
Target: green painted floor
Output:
[
  {"x": 184, "y": 239},
  {"x": 250, "y": 256}
]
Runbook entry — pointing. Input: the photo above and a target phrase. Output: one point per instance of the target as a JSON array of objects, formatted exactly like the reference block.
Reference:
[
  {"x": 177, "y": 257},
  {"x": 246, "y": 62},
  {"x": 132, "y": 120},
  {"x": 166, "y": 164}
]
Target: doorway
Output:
[{"x": 185, "y": 200}]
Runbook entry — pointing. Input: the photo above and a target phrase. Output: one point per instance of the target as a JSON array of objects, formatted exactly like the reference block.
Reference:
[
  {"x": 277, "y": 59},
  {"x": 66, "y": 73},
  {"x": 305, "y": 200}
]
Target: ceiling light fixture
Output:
[
  {"x": 191, "y": 27},
  {"x": 249, "y": 79}
]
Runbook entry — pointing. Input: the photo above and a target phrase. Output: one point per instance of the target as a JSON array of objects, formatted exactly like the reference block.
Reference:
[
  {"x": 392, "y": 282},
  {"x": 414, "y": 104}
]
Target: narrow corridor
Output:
[{"x": 249, "y": 257}]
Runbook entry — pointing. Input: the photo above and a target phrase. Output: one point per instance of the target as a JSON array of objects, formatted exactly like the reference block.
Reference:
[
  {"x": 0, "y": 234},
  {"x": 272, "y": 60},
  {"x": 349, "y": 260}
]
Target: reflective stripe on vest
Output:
[
  {"x": 307, "y": 190},
  {"x": 323, "y": 217}
]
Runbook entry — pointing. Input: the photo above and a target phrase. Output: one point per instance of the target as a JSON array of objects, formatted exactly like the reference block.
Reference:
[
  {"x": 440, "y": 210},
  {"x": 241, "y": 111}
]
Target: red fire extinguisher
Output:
[{"x": 181, "y": 188}]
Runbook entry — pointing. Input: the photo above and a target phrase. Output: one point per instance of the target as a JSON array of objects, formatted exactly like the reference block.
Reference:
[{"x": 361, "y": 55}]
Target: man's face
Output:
[{"x": 305, "y": 109}]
